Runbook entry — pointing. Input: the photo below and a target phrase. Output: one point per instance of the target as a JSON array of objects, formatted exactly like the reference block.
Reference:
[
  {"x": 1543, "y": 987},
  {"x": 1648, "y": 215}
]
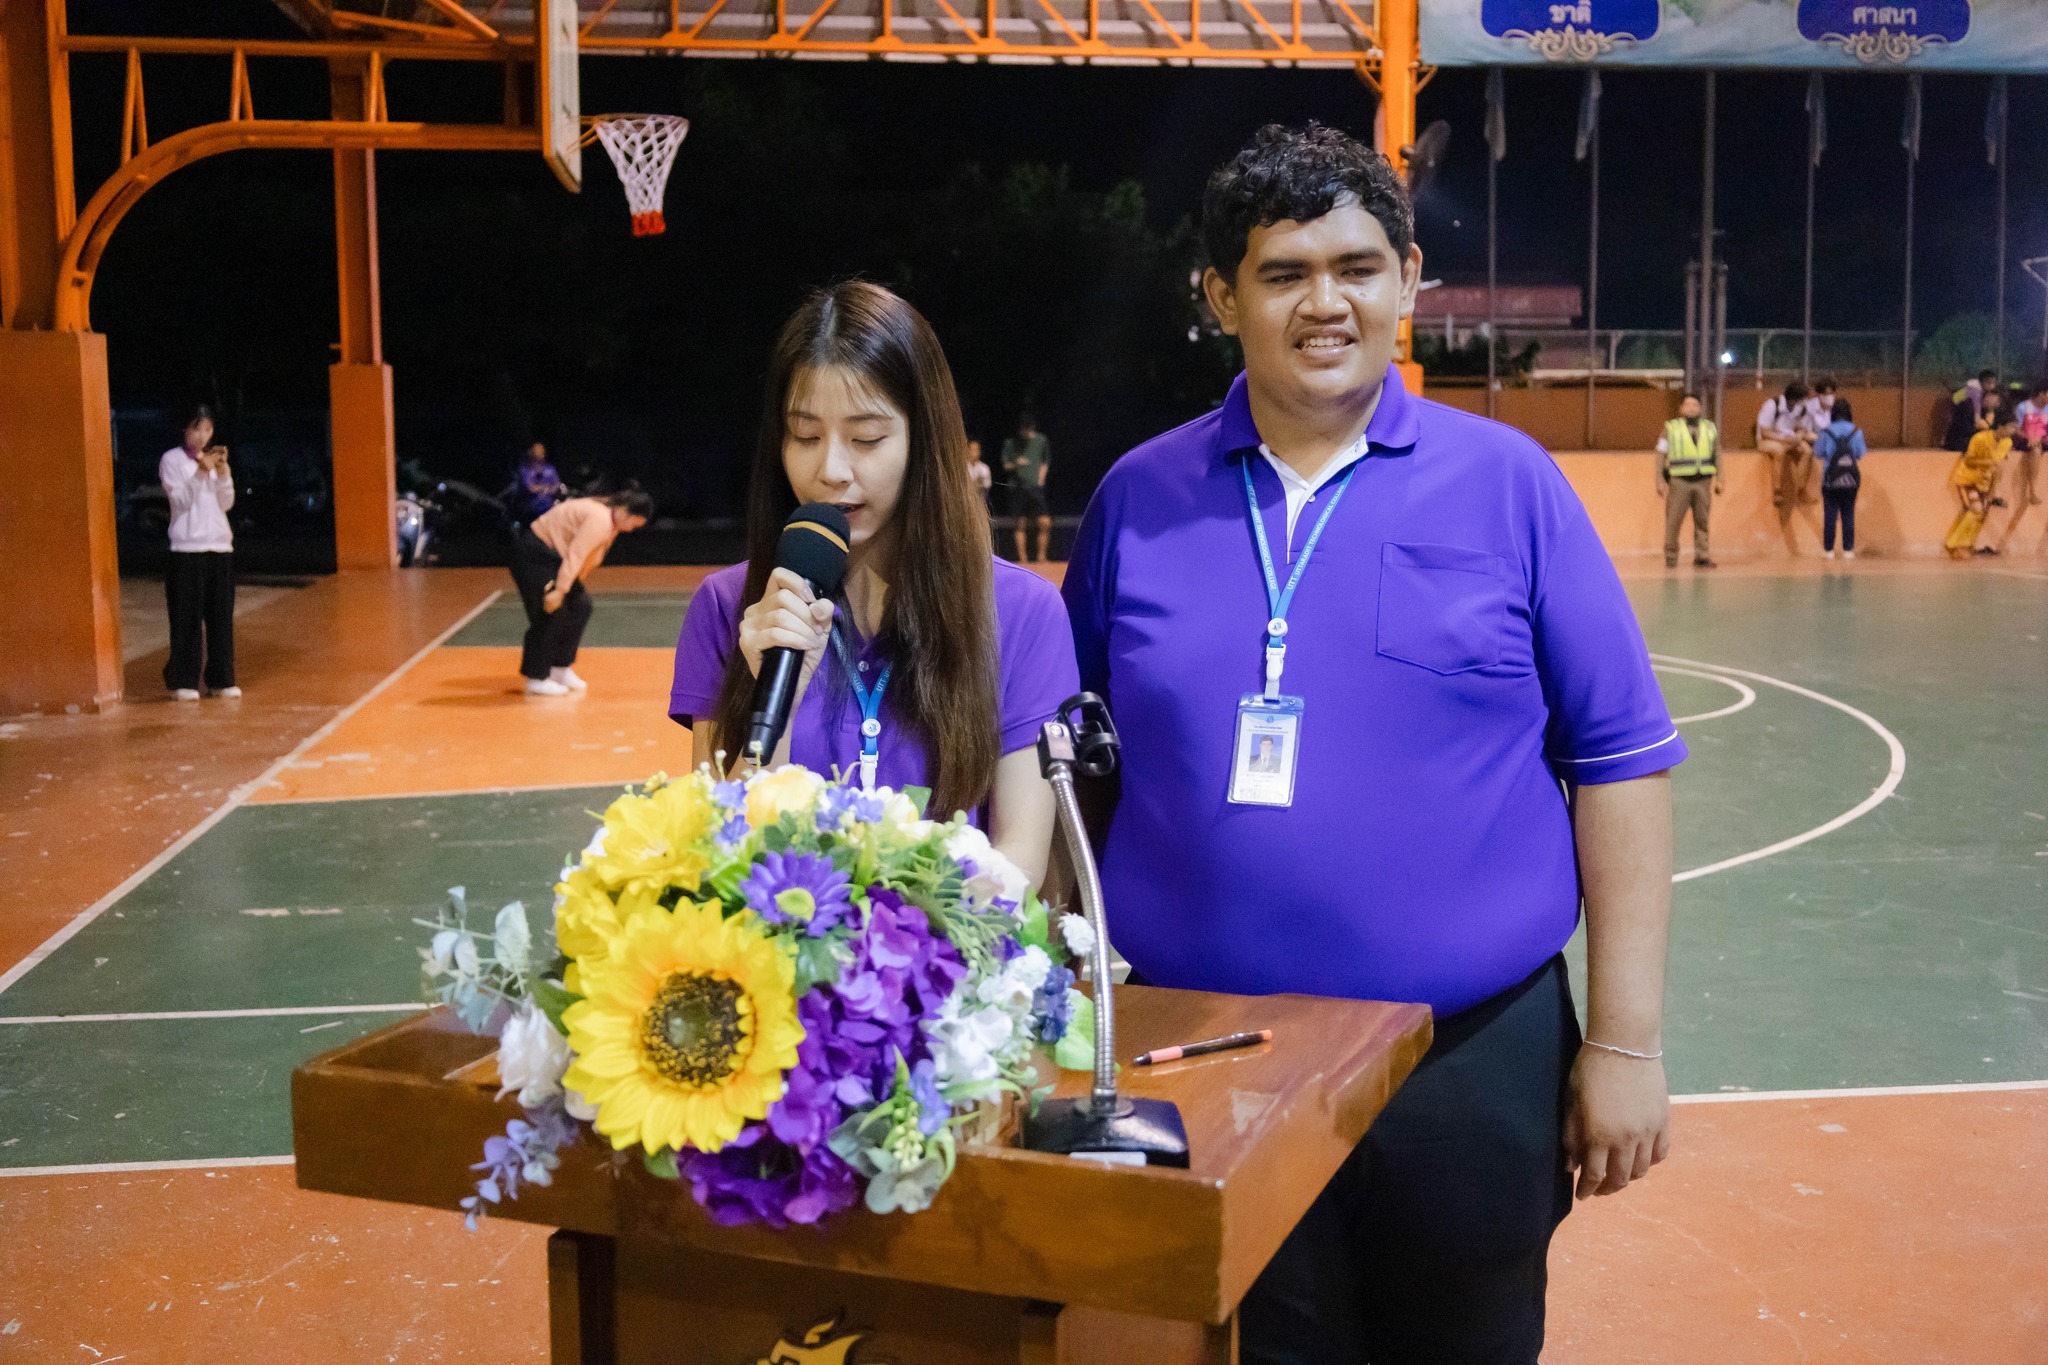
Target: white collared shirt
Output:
[
  {"x": 199, "y": 504},
  {"x": 1302, "y": 491}
]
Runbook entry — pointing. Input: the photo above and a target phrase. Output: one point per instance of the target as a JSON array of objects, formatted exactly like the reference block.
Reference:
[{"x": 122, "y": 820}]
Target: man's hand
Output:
[
  {"x": 1663, "y": 487},
  {"x": 1619, "y": 1123},
  {"x": 551, "y": 600}
]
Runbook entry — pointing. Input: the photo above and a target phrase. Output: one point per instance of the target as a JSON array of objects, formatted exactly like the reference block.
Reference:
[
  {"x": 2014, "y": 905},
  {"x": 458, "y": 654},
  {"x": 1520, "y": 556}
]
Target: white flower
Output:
[
  {"x": 994, "y": 874},
  {"x": 580, "y": 1109},
  {"x": 595, "y": 848},
  {"x": 966, "y": 1043},
  {"x": 1012, "y": 987},
  {"x": 1079, "y": 936},
  {"x": 531, "y": 1056}
]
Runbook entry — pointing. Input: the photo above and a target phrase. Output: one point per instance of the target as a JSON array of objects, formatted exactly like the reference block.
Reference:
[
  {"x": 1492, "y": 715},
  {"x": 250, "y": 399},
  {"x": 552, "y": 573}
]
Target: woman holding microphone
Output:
[{"x": 959, "y": 656}]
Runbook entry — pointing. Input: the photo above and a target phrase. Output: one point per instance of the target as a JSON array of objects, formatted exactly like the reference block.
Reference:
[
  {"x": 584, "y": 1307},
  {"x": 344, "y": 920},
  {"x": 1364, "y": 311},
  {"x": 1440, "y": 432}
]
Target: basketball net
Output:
[{"x": 643, "y": 148}]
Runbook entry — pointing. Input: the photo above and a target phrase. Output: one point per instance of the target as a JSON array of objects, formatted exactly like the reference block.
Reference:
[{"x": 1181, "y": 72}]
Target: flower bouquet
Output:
[{"x": 786, "y": 992}]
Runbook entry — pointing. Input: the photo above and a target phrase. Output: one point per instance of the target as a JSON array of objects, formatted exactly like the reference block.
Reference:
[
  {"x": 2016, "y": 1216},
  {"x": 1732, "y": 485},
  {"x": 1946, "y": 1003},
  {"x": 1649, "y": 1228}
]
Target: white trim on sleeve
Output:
[{"x": 1626, "y": 753}]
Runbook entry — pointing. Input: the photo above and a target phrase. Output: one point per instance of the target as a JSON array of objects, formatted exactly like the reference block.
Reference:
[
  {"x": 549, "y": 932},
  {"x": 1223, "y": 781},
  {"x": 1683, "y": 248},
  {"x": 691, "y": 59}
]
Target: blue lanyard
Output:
[
  {"x": 1278, "y": 599},
  {"x": 870, "y": 707}
]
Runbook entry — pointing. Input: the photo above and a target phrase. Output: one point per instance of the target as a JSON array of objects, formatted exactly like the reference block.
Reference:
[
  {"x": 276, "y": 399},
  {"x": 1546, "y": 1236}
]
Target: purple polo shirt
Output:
[
  {"x": 1035, "y": 654},
  {"x": 1461, "y": 642}
]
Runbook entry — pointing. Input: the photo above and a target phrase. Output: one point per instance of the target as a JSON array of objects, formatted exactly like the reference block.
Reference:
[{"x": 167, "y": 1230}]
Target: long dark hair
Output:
[{"x": 940, "y": 618}]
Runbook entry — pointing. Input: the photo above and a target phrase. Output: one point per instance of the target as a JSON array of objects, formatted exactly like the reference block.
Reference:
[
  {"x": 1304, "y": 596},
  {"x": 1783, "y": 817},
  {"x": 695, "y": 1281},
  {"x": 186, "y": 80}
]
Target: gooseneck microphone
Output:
[{"x": 813, "y": 547}]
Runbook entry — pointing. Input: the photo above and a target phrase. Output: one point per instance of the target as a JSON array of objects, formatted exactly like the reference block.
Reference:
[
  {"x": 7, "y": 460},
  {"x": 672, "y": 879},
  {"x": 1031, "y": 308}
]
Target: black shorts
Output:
[{"x": 1028, "y": 500}]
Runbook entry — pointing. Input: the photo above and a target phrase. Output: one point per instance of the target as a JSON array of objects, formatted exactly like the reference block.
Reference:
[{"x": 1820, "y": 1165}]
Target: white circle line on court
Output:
[
  {"x": 1745, "y": 694},
  {"x": 1890, "y": 784}
]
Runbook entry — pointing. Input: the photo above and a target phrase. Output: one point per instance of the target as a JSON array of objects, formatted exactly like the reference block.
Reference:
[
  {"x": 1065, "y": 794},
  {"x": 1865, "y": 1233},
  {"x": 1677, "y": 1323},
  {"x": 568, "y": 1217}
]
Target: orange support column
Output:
[
  {"x": 60, "y": 625},
  {"x": 1400, "y": 64},
  {"x": 359, "y": 385}
]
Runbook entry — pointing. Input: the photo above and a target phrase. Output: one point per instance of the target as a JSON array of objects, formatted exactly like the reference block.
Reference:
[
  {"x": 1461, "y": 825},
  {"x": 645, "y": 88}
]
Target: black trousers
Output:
[
  {"x": 1838, "y": 503},
  {"x": 1429, "y": 1246},
  {"x": 199, "y": 589},
  {"x": 552, "y": 638}
]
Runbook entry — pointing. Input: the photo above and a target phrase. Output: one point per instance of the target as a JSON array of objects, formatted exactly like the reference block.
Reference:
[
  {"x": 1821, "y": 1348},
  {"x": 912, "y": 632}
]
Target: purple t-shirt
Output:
[
  {"x": 1461, "y": 642},
  {"x": 1035, "y": 654}
]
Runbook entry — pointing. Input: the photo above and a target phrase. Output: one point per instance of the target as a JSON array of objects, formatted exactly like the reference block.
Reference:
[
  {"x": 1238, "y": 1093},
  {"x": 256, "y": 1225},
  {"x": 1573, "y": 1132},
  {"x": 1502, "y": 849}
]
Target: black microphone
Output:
[{"x": 813, "y": 547}]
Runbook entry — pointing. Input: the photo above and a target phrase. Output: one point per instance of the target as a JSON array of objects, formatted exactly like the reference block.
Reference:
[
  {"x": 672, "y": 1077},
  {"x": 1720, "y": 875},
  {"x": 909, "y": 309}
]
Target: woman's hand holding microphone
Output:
[{"x": 788, "y": 616}]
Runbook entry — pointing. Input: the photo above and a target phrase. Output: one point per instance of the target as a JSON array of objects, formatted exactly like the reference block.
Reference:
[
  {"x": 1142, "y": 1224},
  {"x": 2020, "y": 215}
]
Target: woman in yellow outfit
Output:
[{"x": 1975, "y": 475}]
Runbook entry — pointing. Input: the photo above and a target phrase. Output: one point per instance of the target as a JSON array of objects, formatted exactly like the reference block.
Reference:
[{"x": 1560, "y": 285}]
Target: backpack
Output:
[{"x": 1843, "y": 473}]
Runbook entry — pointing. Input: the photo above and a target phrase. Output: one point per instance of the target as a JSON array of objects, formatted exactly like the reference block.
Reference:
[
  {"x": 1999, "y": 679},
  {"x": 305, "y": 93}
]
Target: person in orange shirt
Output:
[
  {"x": 1975, "y": 475},
  {"x": 550, "y": 561}
]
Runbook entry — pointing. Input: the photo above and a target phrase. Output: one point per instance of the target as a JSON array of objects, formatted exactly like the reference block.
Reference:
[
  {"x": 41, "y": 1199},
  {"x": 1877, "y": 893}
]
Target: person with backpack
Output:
[
  {"x": 1784, "y": 433},
  {"x": 1840, "y": 449}
]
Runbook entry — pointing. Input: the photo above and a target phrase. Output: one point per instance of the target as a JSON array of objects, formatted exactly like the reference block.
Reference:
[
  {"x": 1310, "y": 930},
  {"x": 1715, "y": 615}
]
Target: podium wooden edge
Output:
[{"x": 1156, "y": 1242}]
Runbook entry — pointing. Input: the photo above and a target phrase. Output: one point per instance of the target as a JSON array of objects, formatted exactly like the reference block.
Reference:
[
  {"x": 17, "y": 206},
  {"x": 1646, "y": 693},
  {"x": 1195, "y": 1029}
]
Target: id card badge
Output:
[{"x": 1268, "y": 746}]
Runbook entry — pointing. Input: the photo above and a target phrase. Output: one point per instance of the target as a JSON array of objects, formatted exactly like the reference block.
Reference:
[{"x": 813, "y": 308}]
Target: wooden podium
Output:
[{"x": 1024, "y": 1258}]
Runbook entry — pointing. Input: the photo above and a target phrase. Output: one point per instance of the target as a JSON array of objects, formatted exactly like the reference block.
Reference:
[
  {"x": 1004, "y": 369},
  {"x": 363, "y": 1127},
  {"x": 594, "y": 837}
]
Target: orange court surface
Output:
[{"x": 202, "y": 896}]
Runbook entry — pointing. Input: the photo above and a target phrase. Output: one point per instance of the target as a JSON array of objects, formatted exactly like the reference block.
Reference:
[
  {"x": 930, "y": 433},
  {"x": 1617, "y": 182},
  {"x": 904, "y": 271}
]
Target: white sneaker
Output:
[
  {"x": 184, "y": 694},
  {"x": 567, "y": 678},
  {"x": 545, "y": 687},
  {"x": 229, "y": 692},
  {"x": 1848, "y": 554}
]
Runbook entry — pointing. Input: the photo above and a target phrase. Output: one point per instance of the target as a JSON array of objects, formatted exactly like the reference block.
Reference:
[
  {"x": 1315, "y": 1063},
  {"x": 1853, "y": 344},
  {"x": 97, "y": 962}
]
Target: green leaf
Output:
[
  {"x": 661, "y": 1164},
  {"x": 775, "y": 838},
  {"x": 553, "y": 999},
  {"x": 1076, "y": 1051},
  {"x": 816, "y": 964},
  {"x": 1034, "y": 928},
  {"x": 920, "y": 797}
]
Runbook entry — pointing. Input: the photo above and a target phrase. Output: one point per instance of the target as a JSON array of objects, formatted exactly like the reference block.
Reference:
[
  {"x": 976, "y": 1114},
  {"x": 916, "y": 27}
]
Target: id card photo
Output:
[{"x": 1263, "y": 758}]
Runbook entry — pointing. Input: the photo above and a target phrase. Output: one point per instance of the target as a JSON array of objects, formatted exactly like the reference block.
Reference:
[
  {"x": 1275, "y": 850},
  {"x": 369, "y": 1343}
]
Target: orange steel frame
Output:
[{"x": 47, "y": 322}]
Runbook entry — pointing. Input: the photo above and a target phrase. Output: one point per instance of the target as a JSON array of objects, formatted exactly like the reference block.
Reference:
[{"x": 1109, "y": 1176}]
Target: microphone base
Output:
[{"x": 1150, "y": 1128}]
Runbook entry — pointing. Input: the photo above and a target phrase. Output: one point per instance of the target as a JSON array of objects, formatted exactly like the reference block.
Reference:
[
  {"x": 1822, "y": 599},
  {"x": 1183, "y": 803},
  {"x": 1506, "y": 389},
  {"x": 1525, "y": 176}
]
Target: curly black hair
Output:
[{"x": 1299, "y": 174}]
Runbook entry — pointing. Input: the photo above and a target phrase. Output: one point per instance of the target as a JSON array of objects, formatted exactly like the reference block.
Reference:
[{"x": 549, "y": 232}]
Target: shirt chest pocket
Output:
[{"x": 1442, "y": 607}]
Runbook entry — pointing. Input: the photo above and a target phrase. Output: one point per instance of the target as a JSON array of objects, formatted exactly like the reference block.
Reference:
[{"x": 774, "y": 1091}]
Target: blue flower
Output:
[
  {"x": 730, "y": 795},
  {"x": 933, "y": 1111},
  {"x": 798, "y": 888},
  {"x": 732, "y": 833},
  {"x": 841, "y": 804},
  {"x": 1052, "y": 1007}
]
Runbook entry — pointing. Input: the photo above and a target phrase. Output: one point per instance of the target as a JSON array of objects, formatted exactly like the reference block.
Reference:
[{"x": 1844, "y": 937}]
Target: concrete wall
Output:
[
  {"x": 1904, "y": 509},
  {"x": 1629, "y": 417}
]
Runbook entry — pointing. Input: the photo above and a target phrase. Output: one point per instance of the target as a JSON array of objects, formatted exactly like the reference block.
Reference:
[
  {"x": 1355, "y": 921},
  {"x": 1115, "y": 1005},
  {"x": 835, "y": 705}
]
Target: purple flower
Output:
[
  {"x": 732, "y": 833},
  {"x": 525, "y": 1151},
  {"x": 757, "y": 1178},
  {"x": 730, "y": 795},
  {"x": 800, "y": 888}
]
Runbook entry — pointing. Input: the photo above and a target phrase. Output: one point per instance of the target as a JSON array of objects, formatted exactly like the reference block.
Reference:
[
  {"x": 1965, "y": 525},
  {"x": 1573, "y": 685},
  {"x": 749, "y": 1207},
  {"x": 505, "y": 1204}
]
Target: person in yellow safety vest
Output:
[
  {"x": 1975, "y": 475},
  {"x": 1688, "y": 476}
]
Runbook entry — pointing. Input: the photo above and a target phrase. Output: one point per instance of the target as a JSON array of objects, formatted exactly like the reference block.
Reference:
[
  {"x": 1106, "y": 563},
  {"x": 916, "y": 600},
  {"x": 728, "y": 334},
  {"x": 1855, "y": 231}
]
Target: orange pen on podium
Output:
[{"x": 1159, "y": 1055}]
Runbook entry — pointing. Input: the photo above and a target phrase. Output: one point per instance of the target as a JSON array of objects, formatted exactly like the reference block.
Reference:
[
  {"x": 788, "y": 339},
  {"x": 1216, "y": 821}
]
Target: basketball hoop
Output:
[{"x": 643, "y": 148}]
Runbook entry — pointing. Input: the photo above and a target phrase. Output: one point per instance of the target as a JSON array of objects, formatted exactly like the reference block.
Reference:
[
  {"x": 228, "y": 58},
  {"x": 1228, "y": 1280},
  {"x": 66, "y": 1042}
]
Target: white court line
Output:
[
  {"x": 453, "y": 791},
  {"x": 1860, "y": 1092},
  {"x": 1892, "y": 776},
  {"x": 115, "y": 1167},
  {"x": 276, "y": 1012},
  {"x": 1744, "y": 699},
  {"x": 235, "y": 798}
]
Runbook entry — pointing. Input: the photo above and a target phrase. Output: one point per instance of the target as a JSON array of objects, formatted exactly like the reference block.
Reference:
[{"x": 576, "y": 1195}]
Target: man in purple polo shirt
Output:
[{"x": 1410, "y": 604}]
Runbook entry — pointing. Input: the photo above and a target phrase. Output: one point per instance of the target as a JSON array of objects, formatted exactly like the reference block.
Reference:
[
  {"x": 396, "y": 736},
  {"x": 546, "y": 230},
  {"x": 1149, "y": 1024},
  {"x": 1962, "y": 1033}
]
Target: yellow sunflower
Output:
[
  {"x": 589, "y": 920},
  {"x": 686, "y": 1028},
  {"x": 662, "y": 838}
]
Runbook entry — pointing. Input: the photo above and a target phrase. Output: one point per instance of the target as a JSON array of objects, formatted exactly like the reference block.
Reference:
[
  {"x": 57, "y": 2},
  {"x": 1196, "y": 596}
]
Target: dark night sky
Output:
[{"x": 243, "y": 243}]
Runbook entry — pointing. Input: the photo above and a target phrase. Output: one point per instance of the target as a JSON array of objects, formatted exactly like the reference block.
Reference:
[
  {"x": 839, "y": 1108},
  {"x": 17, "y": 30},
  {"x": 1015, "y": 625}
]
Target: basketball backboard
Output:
[{"x": 559, "y": 109}]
